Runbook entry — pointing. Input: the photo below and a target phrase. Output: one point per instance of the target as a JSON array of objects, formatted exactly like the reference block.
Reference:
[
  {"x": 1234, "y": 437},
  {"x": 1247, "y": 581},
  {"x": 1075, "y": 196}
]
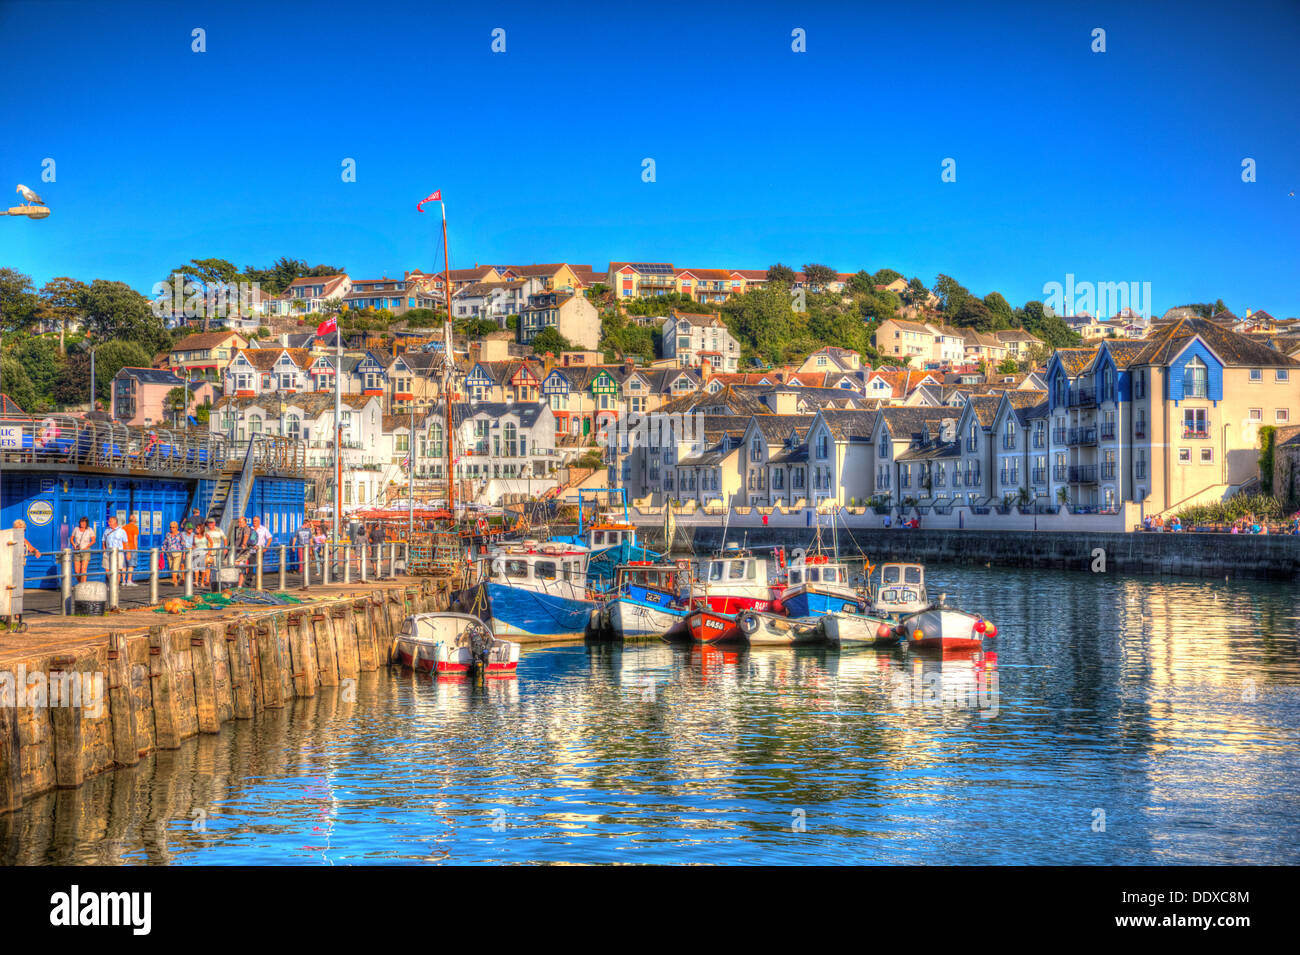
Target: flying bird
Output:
[{"x": 29, "y": 195}]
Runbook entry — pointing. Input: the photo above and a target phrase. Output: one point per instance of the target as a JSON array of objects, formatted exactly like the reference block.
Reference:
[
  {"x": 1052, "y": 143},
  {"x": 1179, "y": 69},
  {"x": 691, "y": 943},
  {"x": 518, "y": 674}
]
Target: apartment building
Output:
[
  {"x": 205, "y": 355},
  {"x": 690, "y": 340},
  {"x": 568, "y": 312}
]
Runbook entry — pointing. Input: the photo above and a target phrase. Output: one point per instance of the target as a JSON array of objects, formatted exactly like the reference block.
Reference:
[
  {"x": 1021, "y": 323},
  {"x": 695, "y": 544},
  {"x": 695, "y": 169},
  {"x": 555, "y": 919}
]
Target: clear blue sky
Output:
[{"x": 1122, "y": 166}]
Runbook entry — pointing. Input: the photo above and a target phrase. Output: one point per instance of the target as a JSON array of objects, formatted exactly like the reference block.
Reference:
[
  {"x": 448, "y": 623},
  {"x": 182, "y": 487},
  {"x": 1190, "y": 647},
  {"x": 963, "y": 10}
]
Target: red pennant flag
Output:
[
  {"x": 330, "y": 324},
  {"x": 436, "y": 197}
]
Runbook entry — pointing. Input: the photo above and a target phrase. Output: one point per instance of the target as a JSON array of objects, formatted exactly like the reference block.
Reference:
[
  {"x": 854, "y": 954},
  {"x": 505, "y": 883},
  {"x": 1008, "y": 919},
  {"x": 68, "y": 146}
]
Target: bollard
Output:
[
  {"x": 214, "y": 578},
  {"x": 260, "y": 549},
  {"x": 153, "y": 575},
  {"x": 112, "y": 578},
  {"x": 382, "y": 545},
  {"x": 284, "y": 553},
  {"x": 306, "y": 567},
  {"x": 327, "y": 566},
  {"x": 363, "y": 562},
  {"x": 347, "y": 563},
  {"x": 406, "y": 559},
  {"x": 67, "y": 581},
  {"x": 189, "y": 573}
]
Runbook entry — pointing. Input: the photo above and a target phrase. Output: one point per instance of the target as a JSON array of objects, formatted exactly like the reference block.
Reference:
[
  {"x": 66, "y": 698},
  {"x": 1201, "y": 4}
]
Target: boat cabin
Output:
[
  {"x": 813, "y": 571},
  {"x": 610, "y": 535},
  {"x": 533, "y": 565},
  {"x": 733, "y": 569},
  {"x": 663, "y": 578},
  {"x": 453, "y": 629},
  {"x": 901, "y": 589}
]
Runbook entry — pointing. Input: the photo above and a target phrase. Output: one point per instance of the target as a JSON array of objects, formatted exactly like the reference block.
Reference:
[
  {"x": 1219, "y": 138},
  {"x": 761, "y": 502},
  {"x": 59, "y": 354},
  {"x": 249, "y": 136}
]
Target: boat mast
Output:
[{"x": 447, "y": 366}]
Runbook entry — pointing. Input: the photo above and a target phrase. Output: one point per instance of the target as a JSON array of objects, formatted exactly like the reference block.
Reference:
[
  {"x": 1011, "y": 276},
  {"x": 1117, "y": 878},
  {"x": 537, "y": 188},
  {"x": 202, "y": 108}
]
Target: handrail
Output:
[{"x": 78, "y": 442}]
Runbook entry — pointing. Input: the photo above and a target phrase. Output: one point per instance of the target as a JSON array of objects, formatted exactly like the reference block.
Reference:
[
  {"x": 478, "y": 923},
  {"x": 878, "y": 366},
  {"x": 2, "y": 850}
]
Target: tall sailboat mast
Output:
[{"x": 448, "y": 366}]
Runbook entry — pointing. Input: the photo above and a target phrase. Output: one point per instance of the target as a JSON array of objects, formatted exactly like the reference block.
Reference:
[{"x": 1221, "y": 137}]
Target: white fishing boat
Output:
[
  {"x": 454, "y": 643},
  {"x": 775, "y": 630},
  {"x": 941, "y": 627},
  {"x": 646, "y": 601},
  {"x": 850, "y": 629},
  {"x": 533, "y": 589},
  {"x": 733, "y": 581}
]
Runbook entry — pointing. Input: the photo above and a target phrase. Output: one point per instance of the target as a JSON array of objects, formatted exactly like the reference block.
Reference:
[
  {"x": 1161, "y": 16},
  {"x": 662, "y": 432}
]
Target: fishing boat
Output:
[
  {"x": 941, "y": 627},
  {"x": 646, "y": 602},
  {"x": 610, "y": 540},
  {"x": 850, "y": 628},
  {"x": 815, "y": 585},
  {"x": 454, "y": 643},
  {"x": 710, "y": 626},
  {"x": 776, "y": 630},
  {"x": 733, "y": 581},
  {"x": 532, "y": 589}
]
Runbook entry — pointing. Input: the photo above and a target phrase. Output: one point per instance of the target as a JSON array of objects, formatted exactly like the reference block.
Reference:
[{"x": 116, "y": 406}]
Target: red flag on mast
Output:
[
  {"x": 436, "y": 197},
  {"x": 326, "y": 327}
]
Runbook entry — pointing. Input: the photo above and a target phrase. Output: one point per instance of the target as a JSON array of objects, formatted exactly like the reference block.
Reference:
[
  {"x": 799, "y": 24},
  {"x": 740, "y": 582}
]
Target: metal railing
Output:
[
  {"x": 214, "y": 568},
  {"x": 108, "y": 445}
]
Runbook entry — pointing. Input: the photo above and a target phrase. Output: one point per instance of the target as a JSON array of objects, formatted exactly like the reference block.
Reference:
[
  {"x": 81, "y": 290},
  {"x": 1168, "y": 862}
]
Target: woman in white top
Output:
[
  {"x": 83, "y": 539},
  {"x": 215, "y": 538}
]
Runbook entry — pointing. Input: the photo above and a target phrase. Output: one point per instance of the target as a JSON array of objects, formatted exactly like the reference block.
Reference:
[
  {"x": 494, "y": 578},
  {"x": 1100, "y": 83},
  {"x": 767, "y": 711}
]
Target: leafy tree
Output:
[
  {"x": 111, "y": 358},
  {"x": 72, "y": 386},
  {"x": 780, "y": 273},
  {"x": 61, "y": 301},
  {"x": 115, "y": 312},
  {"x": 862, "y": 282},
  {"x": 17, "y": 385},
  {"x": 916, "y": 293},
  {"x": 950, "y": 292},
  {"x": 618, "y": 336},
  {"x": 39, "y": 357},
  {"x": 819, "y": 276},
  {"x": 550, "y": 340},
  {"x": 177, "y": 403},
  {"x": 19, "y": 304},
  {"x": 762, "y": 321},
  {"x": 424, "y": 318},
  {"x": 1008, "y": 366},
  {"x": 885, "y": 276},
  {"x": 1000, "y": 308},
  {"x": 1039, "y": 321}
]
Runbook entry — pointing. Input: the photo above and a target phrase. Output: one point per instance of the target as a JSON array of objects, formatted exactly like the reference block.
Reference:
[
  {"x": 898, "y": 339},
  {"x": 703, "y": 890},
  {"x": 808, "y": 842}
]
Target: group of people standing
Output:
[{"x": 208, "y": 545}]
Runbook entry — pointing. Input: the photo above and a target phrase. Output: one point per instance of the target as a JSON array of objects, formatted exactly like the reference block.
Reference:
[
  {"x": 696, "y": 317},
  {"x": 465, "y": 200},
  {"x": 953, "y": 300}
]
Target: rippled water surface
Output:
[{"x": 1142, "y": 721}]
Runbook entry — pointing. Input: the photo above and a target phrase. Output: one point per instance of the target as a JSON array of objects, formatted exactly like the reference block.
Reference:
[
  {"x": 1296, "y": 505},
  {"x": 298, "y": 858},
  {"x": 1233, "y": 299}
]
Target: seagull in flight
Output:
[{"x": 29, "y": 195}]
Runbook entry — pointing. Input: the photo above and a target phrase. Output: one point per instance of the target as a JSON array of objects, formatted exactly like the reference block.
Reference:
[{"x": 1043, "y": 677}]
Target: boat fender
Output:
[
  {"x": 917, "y": 635},
  {"x": 884, "y": 632},
  {"x": 749, "y": 622},
  {"x": 992, "y": 631}
]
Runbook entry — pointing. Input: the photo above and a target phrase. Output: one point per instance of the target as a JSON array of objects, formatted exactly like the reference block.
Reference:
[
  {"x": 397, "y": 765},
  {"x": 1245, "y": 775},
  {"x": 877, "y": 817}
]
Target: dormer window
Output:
[{"x": 1195, "y": 379}]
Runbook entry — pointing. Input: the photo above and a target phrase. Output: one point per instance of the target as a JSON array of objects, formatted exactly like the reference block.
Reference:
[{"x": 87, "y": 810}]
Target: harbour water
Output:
[{"x": 1112, "y": 721}]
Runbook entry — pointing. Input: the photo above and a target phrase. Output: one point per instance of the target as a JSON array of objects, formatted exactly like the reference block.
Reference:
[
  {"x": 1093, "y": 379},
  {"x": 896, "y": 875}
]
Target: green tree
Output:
[
  {"x": 19, "y": 304},
  {"x": 950, "y": 292},
  {"x": 177, "y": 402},
  {"x": 17, "y": 385},
  {"x": 885, "y": 276},
  {"x": 72, "y": 386},
  {"x": 115, "y": 312},
  {"x": 39, "y": 357},
  {"x": 1000, "y": 308},
  {"x": 61, "y": 301},
  {"x": 861, "y": 282},
  {"x": 819, "y": 276},
  {"x": 112, "y": 357},
  {"x": 780, "y": 273},
  {"x": 1008, "y": 366},
  {"x": 550, "y": 340}
]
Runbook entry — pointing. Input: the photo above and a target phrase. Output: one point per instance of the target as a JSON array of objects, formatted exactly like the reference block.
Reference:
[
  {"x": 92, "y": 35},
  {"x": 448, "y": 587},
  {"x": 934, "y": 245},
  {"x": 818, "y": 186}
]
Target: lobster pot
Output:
[{"x": 90, "y": 599}]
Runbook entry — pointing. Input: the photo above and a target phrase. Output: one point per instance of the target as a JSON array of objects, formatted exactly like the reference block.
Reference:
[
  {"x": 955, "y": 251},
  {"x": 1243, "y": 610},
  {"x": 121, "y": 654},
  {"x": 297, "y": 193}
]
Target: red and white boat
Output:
[
  {"x": 454, "y": 643},
  {"x": 709, "y": 626},
  {"x": 735, "y": 581}
]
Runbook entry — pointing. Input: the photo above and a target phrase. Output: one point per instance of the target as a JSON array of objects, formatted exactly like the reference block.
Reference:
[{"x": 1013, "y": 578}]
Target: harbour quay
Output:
[{"x": 78, "y": 698}]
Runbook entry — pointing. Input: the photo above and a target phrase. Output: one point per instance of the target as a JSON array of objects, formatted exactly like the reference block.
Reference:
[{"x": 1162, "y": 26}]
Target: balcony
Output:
[
  {"x": 1082, "y": 436},
  {"x": 1040, "y": 440},
  {"x": 1008, "y": 442},
  {"x": 1083, "y": 474},
  {"x": 972, "y": 444},
  {"x": 1108, "y": 431},
  {"x": 1009, "y": 478},
  {"x": 1108, "y": 471},
  {"x": 1058, "y": 436},
  {"x": 1196, "y": 432},
  {"x": 1038, "y": 476},
  {"x": 1059, "y": 472},
  {"x": 1083, "y": 398}
]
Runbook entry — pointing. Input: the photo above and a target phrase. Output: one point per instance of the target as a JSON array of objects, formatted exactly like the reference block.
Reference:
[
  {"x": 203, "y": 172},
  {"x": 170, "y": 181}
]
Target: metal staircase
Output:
[{"x": 236, "y": 479}]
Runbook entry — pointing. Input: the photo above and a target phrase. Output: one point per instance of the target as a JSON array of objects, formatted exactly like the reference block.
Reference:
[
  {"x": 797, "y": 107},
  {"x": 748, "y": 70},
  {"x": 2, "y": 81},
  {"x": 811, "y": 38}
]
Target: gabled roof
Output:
[
  {"x": 1076, "y": 361},
  {"x": 849, "y": 425},
  {"x": 150, "y": 376},
  {"x": 1232, "y": 347},
  {"x": 203, "y": 340},
  {"x": 264, "y": 359}
]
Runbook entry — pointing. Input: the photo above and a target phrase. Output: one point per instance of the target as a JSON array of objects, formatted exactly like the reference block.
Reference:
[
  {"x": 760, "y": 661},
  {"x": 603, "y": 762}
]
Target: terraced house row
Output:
[{"x": 1151, "y": 425}]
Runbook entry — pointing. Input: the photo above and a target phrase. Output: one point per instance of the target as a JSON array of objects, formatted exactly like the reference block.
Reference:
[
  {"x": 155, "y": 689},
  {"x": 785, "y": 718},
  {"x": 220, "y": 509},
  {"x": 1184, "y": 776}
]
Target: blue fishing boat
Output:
[
  {"x": 531, "y": 589},
  {"x": 817, "y": 586},
  {"x": 646, "y": 601},
  {"x": 610, "y": 541}
]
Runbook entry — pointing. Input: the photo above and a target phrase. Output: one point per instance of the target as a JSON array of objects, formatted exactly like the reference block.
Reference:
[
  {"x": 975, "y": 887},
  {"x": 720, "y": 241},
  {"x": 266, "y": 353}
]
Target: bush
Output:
[{"x": 1262, "y": 506}]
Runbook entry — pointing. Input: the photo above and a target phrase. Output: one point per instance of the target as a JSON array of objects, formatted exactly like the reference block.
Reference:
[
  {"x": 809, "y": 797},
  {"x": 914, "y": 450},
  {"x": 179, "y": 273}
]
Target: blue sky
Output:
[{"x": 1115, "y": 166}]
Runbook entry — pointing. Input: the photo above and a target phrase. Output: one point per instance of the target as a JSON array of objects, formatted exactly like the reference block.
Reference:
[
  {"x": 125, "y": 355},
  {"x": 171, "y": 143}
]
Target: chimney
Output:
[{"x": 706, "y": 370}]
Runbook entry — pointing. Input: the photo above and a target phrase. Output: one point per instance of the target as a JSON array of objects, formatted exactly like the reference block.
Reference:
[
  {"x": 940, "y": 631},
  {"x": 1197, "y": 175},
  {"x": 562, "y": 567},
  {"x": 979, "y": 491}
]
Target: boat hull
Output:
[
  {"x": 708, "y": 626},
  {"x": 856, "y": 629},
  {"x": 516, "y": 612},
  {"x": 439, "y": 658},
  {"x": 630, "y": 618},
  {"x": 734, "y": 603},
  {"x": 805, "y": 602},
  {"x": 775, "y": 630},
  {"x": 942, "y": 629}
]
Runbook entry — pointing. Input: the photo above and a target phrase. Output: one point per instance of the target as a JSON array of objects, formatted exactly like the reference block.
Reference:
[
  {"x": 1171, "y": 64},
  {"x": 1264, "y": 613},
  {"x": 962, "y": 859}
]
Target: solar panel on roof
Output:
[{"x": 653, "y": 268}]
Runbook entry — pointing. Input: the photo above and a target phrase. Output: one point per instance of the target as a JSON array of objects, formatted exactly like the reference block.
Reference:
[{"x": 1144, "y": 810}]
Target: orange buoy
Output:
[{"x": 917, "y": 635}]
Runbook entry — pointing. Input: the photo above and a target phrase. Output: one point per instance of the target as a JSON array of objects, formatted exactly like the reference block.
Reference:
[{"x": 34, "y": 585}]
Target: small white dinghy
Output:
[
  {"x": 454, "y": 643},
  {"x": 857, "y": 629},
  {"x": 775, "y": 630}
]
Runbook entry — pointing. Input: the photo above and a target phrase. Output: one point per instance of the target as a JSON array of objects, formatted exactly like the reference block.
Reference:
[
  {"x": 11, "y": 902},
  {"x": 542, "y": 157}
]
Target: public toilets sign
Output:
[{"x": 11, "y": 436}]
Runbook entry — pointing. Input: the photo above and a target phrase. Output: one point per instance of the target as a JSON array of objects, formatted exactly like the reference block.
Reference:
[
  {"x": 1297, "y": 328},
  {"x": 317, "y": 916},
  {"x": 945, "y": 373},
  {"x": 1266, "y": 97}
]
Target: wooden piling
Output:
[
  {"x": 123, "y": 707},
  {"x": 205, "y": 681}
]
